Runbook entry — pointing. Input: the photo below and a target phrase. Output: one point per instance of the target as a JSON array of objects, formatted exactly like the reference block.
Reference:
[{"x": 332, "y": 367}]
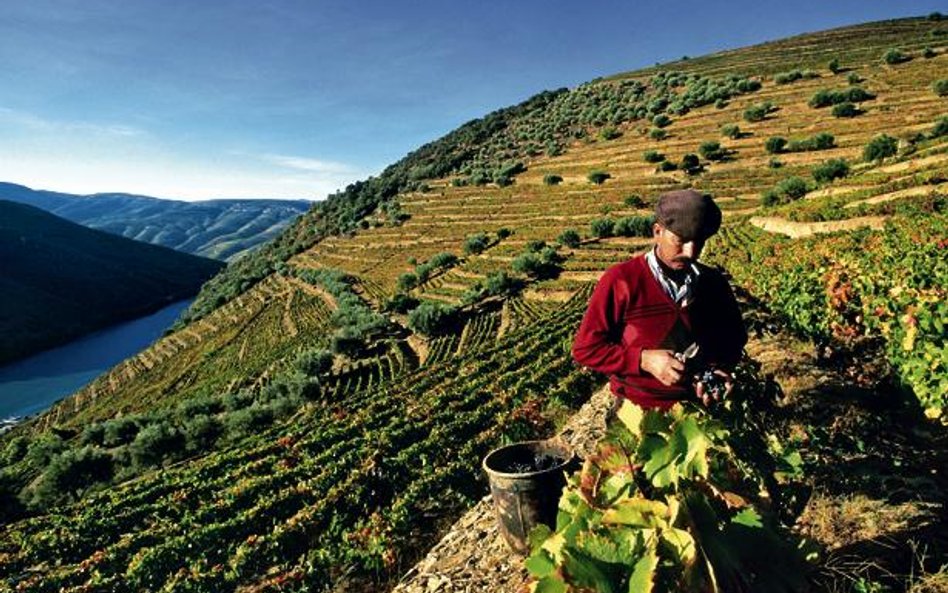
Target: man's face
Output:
[{"x": 672, "y": 251}]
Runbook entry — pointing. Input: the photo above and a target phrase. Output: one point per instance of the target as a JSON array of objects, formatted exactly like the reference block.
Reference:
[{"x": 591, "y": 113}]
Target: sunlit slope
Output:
[
  {"x": 231, "y": 349},
  {"x": 441, "y": 218},
  {"x": 860, "y": 44},
  {"x": 404, "y": 453}
]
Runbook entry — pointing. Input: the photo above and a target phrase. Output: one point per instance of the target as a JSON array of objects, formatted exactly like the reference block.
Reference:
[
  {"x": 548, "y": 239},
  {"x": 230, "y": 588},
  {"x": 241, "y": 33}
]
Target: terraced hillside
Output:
[{"x": 318, "y": 417}]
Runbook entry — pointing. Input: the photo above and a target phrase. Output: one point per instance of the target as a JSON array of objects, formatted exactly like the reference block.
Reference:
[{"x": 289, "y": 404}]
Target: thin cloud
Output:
[
  {"x": 37, "y": 123},
  {"x": 311, "y": 165},
  {"x": 25, "y": 120},
  {"x": 120, "y": 130}
]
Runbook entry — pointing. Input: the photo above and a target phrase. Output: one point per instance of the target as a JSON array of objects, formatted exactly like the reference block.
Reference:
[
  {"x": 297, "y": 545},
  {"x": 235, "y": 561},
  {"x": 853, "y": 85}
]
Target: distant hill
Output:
[
  {"x": 61, "y": 280},
  {"x": 219, "y": 229}
]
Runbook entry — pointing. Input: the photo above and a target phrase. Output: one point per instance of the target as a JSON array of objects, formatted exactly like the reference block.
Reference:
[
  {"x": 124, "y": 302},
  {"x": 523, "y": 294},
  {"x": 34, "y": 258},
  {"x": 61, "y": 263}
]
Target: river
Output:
[{"x": 33, "y": 384}]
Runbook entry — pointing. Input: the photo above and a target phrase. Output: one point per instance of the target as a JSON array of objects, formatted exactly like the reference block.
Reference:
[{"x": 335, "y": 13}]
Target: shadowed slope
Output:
[{"x": 61, "y": 280}]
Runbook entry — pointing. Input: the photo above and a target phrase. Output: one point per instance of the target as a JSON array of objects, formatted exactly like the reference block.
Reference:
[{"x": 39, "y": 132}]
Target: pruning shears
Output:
[{"x": 688, "y": 353}]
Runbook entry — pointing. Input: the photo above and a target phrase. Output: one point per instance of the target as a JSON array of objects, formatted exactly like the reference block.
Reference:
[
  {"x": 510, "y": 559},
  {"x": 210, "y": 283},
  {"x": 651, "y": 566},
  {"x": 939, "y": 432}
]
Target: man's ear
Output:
[{"x": 656, "y": 229}]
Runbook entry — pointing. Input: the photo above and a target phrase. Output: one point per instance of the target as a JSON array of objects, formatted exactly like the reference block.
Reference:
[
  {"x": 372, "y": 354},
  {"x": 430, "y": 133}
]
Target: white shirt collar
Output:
[{"x": 679, "y": 292}]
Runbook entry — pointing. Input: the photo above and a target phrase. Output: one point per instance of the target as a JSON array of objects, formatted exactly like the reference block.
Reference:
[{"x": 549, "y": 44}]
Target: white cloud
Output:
[
  {"x": 20, "y": 118},
  {"x": 120, "y": 130},
  {"x": 311, "y": 165},
  {"x": 38, "y": 123}
]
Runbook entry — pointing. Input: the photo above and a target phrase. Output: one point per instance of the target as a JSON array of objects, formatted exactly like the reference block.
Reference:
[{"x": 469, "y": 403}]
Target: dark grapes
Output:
[{"x": 714, "y": 385}]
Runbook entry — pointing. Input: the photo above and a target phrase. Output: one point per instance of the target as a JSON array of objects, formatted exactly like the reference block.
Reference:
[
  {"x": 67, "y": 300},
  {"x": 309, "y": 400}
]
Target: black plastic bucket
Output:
[{"x": 526, "y": 482}]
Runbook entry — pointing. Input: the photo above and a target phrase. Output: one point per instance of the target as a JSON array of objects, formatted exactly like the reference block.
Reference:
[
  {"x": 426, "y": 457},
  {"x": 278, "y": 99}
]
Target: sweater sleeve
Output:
[{"x": 598, "y": 343}]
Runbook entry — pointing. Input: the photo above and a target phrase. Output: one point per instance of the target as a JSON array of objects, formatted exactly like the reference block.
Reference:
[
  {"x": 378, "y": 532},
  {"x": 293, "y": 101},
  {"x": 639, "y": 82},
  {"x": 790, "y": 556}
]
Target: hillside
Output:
[
  {"x": 217, "y": 229},
  {"x": 320, "y": 412},
  {"x": 61, "y": 280}
]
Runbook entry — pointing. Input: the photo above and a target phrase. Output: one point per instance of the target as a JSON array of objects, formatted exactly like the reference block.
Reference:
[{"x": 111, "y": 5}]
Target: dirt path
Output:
[
  {"x": 829, "y": 192},
  {"x": 505, "y": 319},
  {"x": 419, "y": 346},
  {"x": 288, "y": 322},
  {"x": 584, "y": 276},
  {"x": 922, "y": 190},
  {"x": 740, "y": 211},
  {"x": 314, "y": 291},
  {"x": 913, "y": 164},
  {"x": 796, "y": 230},
  {"x": 550, "y": 296}
]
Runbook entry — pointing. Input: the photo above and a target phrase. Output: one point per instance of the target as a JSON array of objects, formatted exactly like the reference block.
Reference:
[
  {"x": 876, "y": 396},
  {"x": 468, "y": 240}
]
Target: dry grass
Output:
[
  {"x": 931, "y": 583},
  {"x": 840, "y": 521}
]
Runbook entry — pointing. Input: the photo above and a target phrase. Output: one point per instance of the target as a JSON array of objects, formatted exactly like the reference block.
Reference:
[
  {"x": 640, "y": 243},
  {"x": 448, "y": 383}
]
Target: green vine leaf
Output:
[
  {"x": 643, "y": 574},
  {"x": 681, "y": 544},
  {"x": 585, "y": 571},
  {"x": 660, "y": 465},
  {"x": 538, "y": 535},
  {"x": 615, "y": 529},
  {"x": 614, "y": 546},
  {"x": 550, "y": 584},
  {"x": 748, "y": 517},
  {"x": 638, "y": 512},
  {"x": 540, "y": 565},
  {"x": 695, "y": 444}
]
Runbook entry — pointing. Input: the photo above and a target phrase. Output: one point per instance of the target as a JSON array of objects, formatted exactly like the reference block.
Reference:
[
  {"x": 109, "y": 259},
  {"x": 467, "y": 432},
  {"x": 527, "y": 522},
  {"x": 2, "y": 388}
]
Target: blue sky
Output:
[{"x": 205, "y": 99}]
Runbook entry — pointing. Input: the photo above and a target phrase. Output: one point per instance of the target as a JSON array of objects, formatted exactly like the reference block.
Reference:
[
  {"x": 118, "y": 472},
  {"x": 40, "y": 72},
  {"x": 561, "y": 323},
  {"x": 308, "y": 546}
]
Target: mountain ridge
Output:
[{"x": 222, "y": 229}]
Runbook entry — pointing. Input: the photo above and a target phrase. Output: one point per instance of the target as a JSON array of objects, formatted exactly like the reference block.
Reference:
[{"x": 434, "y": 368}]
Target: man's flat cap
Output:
[{"x": 688, "y": 213}]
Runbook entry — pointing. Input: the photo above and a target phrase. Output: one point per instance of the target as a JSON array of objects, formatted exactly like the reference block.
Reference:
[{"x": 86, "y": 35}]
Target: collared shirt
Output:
[{"x": 679, "y": 292}]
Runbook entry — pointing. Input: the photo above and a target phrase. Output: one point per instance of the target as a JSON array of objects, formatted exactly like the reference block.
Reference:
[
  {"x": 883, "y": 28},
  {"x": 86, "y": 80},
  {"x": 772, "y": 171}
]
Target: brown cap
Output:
[{"x": 688, "y": 213}]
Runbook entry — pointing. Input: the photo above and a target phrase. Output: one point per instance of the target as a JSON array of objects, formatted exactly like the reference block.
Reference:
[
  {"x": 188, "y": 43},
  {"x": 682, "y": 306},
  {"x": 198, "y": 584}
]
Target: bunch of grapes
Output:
[{"x": 713, "y": 383}]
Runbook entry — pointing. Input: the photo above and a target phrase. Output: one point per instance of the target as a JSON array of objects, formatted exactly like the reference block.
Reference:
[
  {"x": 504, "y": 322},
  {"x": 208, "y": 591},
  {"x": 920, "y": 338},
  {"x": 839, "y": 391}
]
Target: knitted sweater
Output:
[{"x": 629, "y": 311}]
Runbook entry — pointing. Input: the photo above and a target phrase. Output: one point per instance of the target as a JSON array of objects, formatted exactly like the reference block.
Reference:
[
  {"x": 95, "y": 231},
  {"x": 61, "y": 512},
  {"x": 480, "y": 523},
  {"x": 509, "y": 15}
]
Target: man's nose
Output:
[{"x": 688, "y": 249}]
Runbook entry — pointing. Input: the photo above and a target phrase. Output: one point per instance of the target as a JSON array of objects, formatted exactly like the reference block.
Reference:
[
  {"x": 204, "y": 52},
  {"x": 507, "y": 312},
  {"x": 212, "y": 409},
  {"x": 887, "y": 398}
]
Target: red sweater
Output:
[{"x": 629, "y": 311}]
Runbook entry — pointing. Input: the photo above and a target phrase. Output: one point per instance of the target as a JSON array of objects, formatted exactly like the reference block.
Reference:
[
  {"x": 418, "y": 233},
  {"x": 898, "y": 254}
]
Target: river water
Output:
[{"x": 33, "y": 384}]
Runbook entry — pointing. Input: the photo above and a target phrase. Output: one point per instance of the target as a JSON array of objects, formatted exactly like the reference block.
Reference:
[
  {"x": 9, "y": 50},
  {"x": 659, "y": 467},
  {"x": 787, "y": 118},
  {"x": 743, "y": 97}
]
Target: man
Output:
[{"x": 645, "y": 313}]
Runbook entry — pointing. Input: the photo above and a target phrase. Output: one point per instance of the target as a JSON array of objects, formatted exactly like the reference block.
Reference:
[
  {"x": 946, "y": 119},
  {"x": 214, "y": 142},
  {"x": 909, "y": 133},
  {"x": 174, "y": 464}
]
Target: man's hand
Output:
[
  {"x": 662, "y": 365},
  {"x": 713, "y": 396}
]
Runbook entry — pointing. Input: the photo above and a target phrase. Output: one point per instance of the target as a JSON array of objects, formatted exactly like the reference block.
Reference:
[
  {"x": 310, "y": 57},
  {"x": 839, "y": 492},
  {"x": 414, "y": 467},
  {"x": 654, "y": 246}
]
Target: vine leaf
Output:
[
  {"x": 586, "y": 571},
  {"x": 631, "y": 415},
  {"x": 748, "y": 518},
  {"x": 614, "y": 546},
  {"x": 693, "y": 446},
  {"x": 550, "y": 584},
  {"x": 643, "y": 574},
  {"x": 540, "y": 565},
  {"x": 681, "y": 544},
  {"x": 538, "y": 535},
  {"x": 660, "y": 467},
  {"x": 638, "y": 512}
]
